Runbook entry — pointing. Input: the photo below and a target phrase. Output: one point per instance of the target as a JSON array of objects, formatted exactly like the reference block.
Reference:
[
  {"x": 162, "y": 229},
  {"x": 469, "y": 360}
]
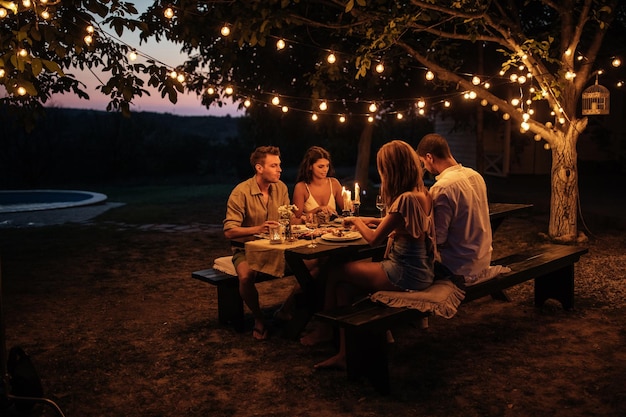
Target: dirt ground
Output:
[{"x": 116, "y": 327}]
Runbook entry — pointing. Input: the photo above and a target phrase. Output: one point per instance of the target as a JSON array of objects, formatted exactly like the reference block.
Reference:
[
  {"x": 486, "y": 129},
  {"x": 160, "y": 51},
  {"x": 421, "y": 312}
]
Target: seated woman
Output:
[
  {"x": 316, "y": 189},
  {"x": 409, "y": 230},
  {"x": 316, "y": 192}
]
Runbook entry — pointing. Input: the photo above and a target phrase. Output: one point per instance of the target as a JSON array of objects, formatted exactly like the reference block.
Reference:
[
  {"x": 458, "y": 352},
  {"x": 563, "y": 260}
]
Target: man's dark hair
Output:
[
  {"x": 259, "y": 154},
  {"x": 434, "y": 144}
]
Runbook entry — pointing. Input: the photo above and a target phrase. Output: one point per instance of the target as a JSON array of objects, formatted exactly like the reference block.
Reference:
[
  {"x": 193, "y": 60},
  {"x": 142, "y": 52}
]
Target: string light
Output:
[
  {"x": 476, "y": 80},
  {"x": 285, "y": 109},
  {"x": 399, "y": 116},
  {"x": 372, "y": 107},
  {"x": 430, "y": 75},
  {"x": 380, "y": 68},
  {"x": 331, "y": 58},
  {"x": 3, "y": 12},
  {"x": 168, "y": 13},
  {"x": 247, "y": 103},
  {"x": 323, "y": 106},
  {"x": 275, "y": 101},
  {"x": 616, "y": 62},
  {"x": 342, "y": 119},
  {"x": 21, "y": 91},
  {"x": 280, "y": 44},
  {"x": 314, "y": 117},
  {"x": 225, "y": 31},
  {"x": 229, "y": 91},
  {"x": 132, "y": 55}
]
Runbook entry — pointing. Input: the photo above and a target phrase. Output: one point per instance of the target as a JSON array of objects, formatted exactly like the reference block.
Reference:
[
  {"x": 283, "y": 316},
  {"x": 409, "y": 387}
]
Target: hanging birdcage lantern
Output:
[{"x": 596, "y": 100}]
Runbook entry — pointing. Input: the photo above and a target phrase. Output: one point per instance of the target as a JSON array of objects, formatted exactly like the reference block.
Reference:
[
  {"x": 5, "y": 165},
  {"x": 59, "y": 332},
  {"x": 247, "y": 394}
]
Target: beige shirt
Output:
[{"x": 246, "y": 207}]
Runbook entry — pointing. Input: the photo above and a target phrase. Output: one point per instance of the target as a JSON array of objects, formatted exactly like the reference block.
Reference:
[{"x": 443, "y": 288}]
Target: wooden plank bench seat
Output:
[
  {"x": 365, "y": 323},
  {"x": 229, "y": 302}
]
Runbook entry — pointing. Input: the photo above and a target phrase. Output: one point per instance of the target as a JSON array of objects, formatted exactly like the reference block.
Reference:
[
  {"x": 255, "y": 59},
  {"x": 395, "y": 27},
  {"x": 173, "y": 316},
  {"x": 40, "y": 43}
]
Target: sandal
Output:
[{"x": 260, "y": 334}]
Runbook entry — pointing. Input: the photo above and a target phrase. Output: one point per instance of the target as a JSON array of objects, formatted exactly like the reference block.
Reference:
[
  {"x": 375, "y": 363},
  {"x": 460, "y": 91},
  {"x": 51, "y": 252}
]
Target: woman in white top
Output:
[
  {"x": 315, "y": 192},
  {"x": 316, "y": 189}
]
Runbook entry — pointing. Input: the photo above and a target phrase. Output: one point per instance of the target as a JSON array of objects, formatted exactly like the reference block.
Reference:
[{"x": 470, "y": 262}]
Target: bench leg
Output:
[
  {"x": 367, "y": 356},
  {"x": 558, "y": 285},
  {"x": 229, "y": 304}
]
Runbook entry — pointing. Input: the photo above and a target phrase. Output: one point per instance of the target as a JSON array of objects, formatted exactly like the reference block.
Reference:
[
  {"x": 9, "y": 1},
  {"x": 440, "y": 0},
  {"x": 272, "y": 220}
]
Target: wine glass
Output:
[
  {"x": 380, "y": 204},
  {"x": 311, "y": 224}
]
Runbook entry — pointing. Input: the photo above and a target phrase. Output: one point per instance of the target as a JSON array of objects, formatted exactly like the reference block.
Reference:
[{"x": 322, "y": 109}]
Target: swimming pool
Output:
[{"x": 13, "y": 201}]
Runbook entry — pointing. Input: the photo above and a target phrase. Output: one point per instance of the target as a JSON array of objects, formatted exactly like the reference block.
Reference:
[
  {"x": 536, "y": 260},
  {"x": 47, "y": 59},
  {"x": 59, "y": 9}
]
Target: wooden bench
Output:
[
  {"x": 366, "y": 323},
  {"x": 229, "y": 302}
]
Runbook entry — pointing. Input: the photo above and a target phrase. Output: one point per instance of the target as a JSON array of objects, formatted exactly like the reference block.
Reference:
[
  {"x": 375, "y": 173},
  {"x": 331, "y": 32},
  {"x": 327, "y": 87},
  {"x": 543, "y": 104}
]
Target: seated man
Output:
[
  {"x": 461, "y": 208},
  {"x": 251, "y": 209}
]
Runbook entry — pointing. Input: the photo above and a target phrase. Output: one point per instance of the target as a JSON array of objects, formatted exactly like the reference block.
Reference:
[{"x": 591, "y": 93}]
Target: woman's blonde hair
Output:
[{"x": 400, "y": 170}]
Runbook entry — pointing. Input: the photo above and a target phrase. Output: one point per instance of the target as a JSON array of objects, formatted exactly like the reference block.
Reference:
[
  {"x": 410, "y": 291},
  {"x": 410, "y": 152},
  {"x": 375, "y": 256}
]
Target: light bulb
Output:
[
  {"x": 515, "y": 102},
  {"x": 23, "y": 53},
  {"x": 285, "y": 109},
  {"x": 275, "y": 101},
  {"x": 180, "y": 78},
  {"x": 280, "y": 44},
  {"x": 90, "y": 29},
  {"x": 616, "y": 62},
  {"x": 476, "y": 80},
  {"x": 483, "y": 102},
  {"x": 399, "y": 116},
  {"x": 45, "y": 15},
  {"x": 331, "y": 58},
  {"x": 228, "y": 91},
  {"x": 430, "y": 76},
  {"x": 2, "y": 72},
  {"x": 26, "y": 3},
  {"x": 21, "y": 91},
  {"x": 537, "y": 137},
  {"x": 323, "y": 106},
  {"x": 247, "y": 103},
  {"x": 132, "y": 55},
  {"x": 495, "y": 107},
  {"x": 421, "y": 104},
  {"x": 370, "y": 119},
  {"x": 314, "y": 117},
  {"x": 88, "y": 39},
  {"x": 225, "y": 31},
  {"x": 168, "y": 13},
  {"x": 372, "y": 107},
  {"x": 546, "y": 146},
  {"x": 421, "y": 112},
  {"x": 342, "y": 119},
  {"x": 446, "y": 103},
  {"x": 380, "y": 68},
  {"x": 506, "y": 116},
  {"x": 210, "y": 91}
]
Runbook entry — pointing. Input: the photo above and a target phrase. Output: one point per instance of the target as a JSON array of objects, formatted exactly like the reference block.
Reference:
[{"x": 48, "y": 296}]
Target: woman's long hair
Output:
[
  {"x": 400, "y": 170},
  {"x": 312, "y": 155}
]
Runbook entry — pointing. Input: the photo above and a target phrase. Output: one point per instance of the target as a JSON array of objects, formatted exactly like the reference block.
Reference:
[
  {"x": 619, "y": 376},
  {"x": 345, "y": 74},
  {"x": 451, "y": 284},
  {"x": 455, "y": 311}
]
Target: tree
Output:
[
  {"x": 550, "y": 51},
  {"x": 42, "y": 41}
]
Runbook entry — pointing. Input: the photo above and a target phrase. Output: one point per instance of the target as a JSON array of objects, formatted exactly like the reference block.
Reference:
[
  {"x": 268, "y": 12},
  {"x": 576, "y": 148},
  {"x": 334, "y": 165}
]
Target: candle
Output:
[{"x": 357, "y": 193}]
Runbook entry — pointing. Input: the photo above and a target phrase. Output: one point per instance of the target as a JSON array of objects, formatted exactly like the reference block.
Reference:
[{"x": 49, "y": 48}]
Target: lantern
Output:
[{"x": 596, "y": 100}]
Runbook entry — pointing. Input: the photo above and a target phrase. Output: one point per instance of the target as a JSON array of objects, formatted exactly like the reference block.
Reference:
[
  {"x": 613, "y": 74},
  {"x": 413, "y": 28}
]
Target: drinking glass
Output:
[
  {"x": 311, "y": 224},
  {"x": 380, "y": 204}
]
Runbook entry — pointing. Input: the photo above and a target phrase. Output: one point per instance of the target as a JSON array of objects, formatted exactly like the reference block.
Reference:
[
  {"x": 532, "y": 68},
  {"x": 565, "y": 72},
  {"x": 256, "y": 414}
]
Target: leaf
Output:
[
  {"x": 361, "y": 3},
  {"x": 36, "y": 66},
  {"x": 349, "y": 6},
  {"x": 53, "y": 67}
]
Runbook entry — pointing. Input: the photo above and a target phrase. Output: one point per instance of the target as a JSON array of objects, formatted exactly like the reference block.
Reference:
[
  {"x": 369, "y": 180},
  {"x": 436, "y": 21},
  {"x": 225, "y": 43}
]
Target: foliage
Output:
[{"x": 43, "y": 42}]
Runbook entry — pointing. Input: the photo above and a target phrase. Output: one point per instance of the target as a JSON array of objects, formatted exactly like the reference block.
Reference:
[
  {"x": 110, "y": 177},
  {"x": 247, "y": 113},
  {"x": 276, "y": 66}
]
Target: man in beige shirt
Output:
[{"x": 251, "y": 209}]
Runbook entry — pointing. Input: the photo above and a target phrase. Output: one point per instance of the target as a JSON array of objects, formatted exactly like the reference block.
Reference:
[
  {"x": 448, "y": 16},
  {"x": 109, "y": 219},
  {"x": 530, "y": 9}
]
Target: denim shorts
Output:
[{"x": 410, "y": 265}]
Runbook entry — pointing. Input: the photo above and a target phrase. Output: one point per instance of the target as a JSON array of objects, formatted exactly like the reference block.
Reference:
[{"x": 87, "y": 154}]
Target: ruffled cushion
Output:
[
  {"x": 225, "y": 265},
  {"x": 442, "y": 298}
]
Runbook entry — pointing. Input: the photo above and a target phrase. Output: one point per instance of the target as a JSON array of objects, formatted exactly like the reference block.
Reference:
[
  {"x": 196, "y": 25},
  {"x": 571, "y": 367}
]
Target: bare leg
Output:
[{"x": 250, "y": 296}]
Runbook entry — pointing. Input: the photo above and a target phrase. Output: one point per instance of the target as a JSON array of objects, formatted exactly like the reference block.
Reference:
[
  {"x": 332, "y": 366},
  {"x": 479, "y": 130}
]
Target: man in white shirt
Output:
[{"x": 461, "y": 210}]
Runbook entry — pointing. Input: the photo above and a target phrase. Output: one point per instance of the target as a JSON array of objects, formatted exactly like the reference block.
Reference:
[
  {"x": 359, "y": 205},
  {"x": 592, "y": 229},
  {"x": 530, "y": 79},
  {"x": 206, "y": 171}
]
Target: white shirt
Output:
[{"x": 462, "y": 221}]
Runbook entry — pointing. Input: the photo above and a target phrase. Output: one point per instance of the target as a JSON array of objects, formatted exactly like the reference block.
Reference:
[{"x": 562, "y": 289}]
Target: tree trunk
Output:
[
  {"x": 563, "y": 225},
  {"x": 363, "y": 156}
]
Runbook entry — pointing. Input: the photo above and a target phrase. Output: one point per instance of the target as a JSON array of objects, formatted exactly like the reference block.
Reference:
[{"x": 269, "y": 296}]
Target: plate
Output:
[{"x": 347, "y": 236}]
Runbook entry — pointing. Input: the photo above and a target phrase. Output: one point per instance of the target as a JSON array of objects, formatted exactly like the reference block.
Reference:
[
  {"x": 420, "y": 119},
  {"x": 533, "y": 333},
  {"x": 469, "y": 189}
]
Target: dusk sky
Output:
[{"x": 167, "y": 53}]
